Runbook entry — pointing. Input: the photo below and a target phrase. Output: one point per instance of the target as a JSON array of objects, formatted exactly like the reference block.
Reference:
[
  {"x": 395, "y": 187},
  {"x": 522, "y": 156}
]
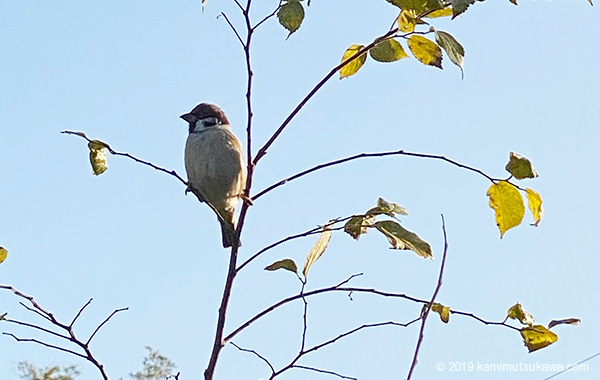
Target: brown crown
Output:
[{"x": 203, "y": 110}]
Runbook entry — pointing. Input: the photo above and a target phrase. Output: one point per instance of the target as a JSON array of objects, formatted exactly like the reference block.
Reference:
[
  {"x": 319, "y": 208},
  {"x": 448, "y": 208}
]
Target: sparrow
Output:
[{"x": 215, "y": 165}]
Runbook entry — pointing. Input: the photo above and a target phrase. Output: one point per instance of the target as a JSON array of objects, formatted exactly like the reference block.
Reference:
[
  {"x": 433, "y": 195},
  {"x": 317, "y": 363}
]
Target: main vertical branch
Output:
[{"x": 218, "y": 342}]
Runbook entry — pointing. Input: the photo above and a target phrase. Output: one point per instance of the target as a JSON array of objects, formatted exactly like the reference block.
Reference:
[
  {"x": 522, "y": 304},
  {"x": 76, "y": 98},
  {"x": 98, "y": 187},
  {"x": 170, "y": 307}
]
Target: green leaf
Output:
[
  {"x": 517, "y": 312},
  {"x": 520, "y": 167},
  {"x": 568, "y": 321},
  {"x": 400, "y": 238},
  {"x": 290, "y": 16},
  {"x": 387, "y": 208},
  {"x": 388, "y": 51},
  {"x": 419, "y": 6},
  {"x": 453, "y": 48},
  {"x": 98, "y": 156},
  {"x": 460, "y": 6},
  {"x": 3, "y": 254},
  {"x": 318, "y": 249},
  {"x": 357, "y": 225},
  {"x": 425, "y": 51},
  {"x": 287, "y": 264},
  {"x": 355, "y": 65},
  {"x": 537, "y": 337},
  {"x": 507, "y": 204},
  {"x": 443, "y": 311}
]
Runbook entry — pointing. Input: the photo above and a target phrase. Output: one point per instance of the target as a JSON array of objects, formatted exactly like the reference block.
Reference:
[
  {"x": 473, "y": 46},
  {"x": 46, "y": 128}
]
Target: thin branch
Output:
[
  {"x": 239, "y": 5},
  {"x": 103, "y": 323},
  {"x": 263, "y": 150},
  {"x": 45, "y": 344},
  {"x": 312, "y": 231},
  {"x": 427, "y": 310},
  {"x": 18, "y": 293},
  {"x": 36, "y": 327},
  {"x": 492, "y": 323},
  {"x": 365, "y": 326},
  {"x": 315, "y": 292},
  {"x": 300, "y": 354},
  {"x": 233, "y": 28},
  {"x": 325, "y": 372},
  {"x": 35, "y": 311},
  {"x": 40, "y": 311},
  {"x": 370, "y": 155},
  {"x": 255, "y": 353},
  {"x": 80, "y": 311},
  {"x": 267, "y": 16},
  {"x": 304, "y": 317},
  {"x": 139, "y": 161}
]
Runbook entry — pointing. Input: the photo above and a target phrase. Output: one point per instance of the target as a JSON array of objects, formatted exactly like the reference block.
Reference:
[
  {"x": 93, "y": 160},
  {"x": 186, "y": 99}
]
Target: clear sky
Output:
[{"x": 123, "y": 72}]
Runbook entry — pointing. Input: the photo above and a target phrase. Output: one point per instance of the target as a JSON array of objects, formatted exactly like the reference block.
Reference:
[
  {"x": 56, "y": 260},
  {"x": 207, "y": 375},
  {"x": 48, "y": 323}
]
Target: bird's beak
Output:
[{"x": 188, "y": 117}]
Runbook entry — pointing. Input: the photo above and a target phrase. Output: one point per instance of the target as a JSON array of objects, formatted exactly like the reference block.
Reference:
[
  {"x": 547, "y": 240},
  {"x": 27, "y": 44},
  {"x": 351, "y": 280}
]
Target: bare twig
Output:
[
  {"x": 36, "y": 327},
  {"x": 263, "y": 150},
  {"x": 46, "y": 344},
  {"x": 71, "y": 337},
  {"x": 492, "y": 323},
  {"x": 267, "y": 16},
  {"x": 335, "y": 288},
  {"x": 425, "y": 313},
  {"x": 302, "y": 353},
  {"x": 233, "y": 28},
  {"x": 312, "y": 231},
  {"x": 35, "y": 311},
  {"x": 255, "y": 353},
  {"x": 139, "y": 161},
  {"x": 370, "y": 155},
  {"x": 80, "y": 311},
  {"x": 103, "y": 323},
  {"x": 325, "y": 372}
]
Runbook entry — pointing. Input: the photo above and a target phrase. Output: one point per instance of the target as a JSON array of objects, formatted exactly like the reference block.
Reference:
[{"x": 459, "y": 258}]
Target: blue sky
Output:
[{"x": 123, "y": 72}]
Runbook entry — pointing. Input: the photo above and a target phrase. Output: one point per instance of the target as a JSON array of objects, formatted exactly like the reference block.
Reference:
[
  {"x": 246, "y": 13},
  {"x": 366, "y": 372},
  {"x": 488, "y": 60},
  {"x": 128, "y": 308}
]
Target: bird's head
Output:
[{"x": 204, "y": 116}]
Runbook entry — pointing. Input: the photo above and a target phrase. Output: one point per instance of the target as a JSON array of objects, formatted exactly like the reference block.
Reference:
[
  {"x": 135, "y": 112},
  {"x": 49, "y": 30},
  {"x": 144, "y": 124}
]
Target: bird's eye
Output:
[{"x": 209, "y": 121}]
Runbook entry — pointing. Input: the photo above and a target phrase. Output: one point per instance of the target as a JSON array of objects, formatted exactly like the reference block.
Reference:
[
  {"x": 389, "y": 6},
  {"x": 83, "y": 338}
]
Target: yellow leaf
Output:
[
  {"x": 287, "y": 264},
  {"x": 355, "y": 65},
  {"x": 425, "y": 51},
  {"x": 520, "y": 167},
  {"x": 3, "y": 254},
  {"x": 98, "y": 156},
  {"x": 407, "y": 21},
  {"x": 508, "y": 205},
  {"x": 440, "y": 13},
  {"x": 535, "y": 205},
  {"x": 443, "y": 311},
  {"x": 388, "y": 51},
  {"x": 517, "y": 312},
  {"x": 290, "y": 16},
  {"x": 317, "y": 250},
  {"x": 400, "y": 238},
  {"x": 537, "y": 337}
]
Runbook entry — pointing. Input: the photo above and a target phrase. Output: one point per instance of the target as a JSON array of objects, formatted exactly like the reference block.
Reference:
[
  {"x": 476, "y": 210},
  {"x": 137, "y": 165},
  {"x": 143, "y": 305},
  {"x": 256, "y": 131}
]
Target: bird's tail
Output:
[{"x": 230, "y": 236}]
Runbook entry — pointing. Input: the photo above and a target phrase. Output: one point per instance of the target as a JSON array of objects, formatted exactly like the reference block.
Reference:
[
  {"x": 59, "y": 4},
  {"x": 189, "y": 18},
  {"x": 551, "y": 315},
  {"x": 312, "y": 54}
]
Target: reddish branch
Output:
[
  {"x": 427, "y": 310},
  {"x": 70, "y": 333}
]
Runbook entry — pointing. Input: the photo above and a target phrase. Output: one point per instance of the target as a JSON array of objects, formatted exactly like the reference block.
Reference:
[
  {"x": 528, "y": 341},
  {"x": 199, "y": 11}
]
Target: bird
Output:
[{"x": 215, "y": 165}]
